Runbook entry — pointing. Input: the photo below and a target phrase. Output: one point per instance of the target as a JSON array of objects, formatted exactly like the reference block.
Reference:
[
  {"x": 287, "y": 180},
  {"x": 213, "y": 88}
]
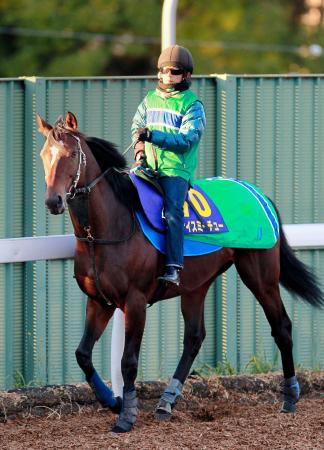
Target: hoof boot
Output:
[
  {"x": 162, "y": 415},
  {"x": 288, "y": 407},
  {"x": 118, "y": 407},
  {"x": 123, "y": 427}
]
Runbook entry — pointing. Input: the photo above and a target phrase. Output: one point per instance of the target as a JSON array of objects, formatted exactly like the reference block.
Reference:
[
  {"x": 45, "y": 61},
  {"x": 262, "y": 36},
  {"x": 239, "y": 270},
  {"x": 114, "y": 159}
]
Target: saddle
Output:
[
  {"x": 221, "y": 212},
  {"x": 201, "y": 215}
]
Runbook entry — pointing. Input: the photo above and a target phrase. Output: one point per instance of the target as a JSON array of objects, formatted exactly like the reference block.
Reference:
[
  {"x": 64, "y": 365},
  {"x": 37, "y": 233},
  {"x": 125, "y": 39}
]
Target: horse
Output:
[{"x": 117, "y": 267}]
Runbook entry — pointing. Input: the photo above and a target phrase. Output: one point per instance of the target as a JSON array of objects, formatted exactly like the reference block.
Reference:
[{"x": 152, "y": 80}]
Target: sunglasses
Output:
[{"x": 165, "y": 70}]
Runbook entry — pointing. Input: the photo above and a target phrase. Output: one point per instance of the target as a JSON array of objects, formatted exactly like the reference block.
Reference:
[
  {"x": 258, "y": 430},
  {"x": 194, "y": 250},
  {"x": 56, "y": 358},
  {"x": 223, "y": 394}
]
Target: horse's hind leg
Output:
[
  {"x": 97, "y": 317},
  {"x": 192, "y": 307},
  {"x": 260, "y": 271}
]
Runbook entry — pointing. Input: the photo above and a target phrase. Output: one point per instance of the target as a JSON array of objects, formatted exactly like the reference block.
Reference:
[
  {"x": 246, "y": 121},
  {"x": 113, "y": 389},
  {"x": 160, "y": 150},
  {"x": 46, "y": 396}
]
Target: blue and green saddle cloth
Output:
[{"x": 218, "y": 212}]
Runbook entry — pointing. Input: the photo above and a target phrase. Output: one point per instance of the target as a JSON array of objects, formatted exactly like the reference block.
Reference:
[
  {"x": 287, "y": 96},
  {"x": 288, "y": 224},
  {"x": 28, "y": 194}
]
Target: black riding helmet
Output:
[{"x": 176, "y": 56}]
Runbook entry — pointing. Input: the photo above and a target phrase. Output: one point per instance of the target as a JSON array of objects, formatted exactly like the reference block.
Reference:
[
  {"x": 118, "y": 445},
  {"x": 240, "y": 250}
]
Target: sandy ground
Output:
[{"x": 217, "y": 419}]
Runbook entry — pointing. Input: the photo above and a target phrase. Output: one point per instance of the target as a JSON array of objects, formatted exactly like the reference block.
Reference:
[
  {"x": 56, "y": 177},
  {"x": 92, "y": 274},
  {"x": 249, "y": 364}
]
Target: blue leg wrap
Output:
[
  {"x": 102, "y": 391},
  {"x": 291, "y": 392}
]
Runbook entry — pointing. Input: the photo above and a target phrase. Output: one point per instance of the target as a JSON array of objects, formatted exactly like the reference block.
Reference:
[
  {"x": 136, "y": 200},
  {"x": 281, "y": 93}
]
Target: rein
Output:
[{"x": 78, "y": 202}]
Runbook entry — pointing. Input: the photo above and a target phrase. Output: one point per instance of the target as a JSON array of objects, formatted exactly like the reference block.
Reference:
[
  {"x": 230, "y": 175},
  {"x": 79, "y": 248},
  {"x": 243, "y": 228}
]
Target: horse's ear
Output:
[
  {"x": 70, "y": 121},
  {"x": 43, "y": 127}
]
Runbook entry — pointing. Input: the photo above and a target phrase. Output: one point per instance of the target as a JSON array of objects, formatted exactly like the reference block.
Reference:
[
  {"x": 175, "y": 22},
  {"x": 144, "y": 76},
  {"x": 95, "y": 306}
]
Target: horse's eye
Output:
[{"x": 74, "y": 153}]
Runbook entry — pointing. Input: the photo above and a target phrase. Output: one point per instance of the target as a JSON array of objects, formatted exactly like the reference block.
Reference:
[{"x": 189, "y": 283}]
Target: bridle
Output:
[
  {"x": 82, "y": 161},
  {"x": 59, "y": 124},
  {"x": 73, "y": 190},
  {"x": 85, "y": 191}
]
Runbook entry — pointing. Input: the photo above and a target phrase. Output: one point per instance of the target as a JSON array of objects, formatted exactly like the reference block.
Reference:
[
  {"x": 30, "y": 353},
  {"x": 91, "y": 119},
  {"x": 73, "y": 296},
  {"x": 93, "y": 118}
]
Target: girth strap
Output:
[{"x": 95, "y": 274}]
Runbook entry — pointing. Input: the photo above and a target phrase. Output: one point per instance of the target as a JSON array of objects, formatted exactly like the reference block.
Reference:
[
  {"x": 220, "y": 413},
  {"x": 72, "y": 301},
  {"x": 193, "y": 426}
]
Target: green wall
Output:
[
  {"x": 269, "y": 132},
  {"x": 263, "y": 129},
  {"x": 12, "y": 331}
]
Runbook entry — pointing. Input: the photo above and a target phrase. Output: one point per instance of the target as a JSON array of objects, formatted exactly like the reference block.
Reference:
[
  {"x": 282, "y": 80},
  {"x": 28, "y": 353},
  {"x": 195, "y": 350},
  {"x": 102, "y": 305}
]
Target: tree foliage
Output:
[{"x": 109, "y": 37}]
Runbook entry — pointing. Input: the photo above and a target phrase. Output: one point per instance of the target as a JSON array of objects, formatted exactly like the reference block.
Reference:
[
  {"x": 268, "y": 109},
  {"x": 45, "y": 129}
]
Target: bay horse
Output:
[{"x": 117, "y": 267}]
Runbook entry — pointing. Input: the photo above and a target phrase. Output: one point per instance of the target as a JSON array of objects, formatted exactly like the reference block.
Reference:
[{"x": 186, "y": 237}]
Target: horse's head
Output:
[{"x": 62, "y": 157}]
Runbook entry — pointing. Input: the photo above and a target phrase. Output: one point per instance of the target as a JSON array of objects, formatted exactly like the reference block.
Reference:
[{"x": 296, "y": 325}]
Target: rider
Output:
[{"x": 168, "y": 126}]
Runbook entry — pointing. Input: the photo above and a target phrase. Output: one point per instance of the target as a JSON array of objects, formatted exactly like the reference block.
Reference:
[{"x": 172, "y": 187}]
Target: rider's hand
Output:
[
  {"x": 143, "y": 134},
  {"x": 140, "y": 160}
]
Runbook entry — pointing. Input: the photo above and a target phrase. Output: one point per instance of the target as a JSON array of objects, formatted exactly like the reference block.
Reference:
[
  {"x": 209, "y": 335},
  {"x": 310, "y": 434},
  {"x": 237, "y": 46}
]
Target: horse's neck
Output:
[{"x": 107, "y": 217}]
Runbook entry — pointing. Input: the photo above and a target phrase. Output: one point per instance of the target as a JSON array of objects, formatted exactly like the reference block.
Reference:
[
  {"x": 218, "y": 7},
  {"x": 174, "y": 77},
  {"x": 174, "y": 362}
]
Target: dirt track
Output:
[{"x": 209, "y": 416}]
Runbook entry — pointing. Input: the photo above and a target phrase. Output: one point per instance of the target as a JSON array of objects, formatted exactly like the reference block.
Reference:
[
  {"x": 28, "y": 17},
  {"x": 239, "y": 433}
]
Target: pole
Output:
[
  {"x": 168, "y": 28},
  {"x": 117, "y": 349}
]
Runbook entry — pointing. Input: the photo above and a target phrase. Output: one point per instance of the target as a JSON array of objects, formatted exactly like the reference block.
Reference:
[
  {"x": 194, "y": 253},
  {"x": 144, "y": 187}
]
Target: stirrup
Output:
[{"x": 171, "y": 275}]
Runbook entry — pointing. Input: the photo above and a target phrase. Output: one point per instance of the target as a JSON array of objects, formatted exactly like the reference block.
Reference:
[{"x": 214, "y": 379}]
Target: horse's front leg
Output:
[
  {"x": 97, "y": 317},
  {"x": 192, "y": 307},
  {"x": 135, "y": 314}
]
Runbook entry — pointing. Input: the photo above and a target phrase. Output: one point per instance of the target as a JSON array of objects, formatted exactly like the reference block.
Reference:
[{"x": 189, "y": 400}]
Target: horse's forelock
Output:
[{"x": 59, "y": 122}]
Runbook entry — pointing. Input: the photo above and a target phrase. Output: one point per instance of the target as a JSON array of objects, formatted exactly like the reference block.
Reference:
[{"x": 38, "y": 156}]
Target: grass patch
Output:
[
  {"x": 259, "y": 364},
  {"x": 19, "y": 381},
  {"x": 222, "y": 368}
]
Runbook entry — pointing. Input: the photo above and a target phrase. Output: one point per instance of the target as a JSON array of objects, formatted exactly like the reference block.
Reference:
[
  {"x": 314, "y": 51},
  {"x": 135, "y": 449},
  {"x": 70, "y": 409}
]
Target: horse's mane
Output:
[{"x": 107, "y": 155}]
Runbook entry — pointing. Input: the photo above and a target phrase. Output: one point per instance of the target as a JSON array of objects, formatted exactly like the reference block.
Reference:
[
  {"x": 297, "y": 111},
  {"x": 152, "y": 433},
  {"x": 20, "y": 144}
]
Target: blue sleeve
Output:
[
  {"x": 139, "y": 120},
  {"x": 190, "y": 132}
]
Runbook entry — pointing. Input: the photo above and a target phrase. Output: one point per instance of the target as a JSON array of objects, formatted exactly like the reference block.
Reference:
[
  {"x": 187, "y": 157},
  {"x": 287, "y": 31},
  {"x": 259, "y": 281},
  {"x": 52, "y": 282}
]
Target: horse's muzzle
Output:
[{"x": 55, "y": 204}]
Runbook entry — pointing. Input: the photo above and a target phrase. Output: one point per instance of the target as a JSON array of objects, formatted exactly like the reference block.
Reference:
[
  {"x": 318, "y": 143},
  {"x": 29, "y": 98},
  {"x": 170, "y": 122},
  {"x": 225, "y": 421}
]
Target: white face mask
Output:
[{"x": 168, "y": 78}]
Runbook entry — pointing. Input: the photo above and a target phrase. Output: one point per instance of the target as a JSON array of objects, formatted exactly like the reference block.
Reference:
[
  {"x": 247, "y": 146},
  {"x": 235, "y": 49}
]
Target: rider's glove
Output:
[{"x": 143, "y": 134}]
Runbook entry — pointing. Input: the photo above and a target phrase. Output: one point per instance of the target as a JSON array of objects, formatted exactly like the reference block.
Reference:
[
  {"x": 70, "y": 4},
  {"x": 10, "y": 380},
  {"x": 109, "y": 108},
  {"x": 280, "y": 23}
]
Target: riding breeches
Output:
[{"x": 175, "y": 190}]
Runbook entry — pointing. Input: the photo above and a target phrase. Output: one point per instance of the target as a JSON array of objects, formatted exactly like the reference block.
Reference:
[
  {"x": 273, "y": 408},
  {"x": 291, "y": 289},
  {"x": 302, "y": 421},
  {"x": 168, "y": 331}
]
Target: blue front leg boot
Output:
[{"x": 104, "y": 394}]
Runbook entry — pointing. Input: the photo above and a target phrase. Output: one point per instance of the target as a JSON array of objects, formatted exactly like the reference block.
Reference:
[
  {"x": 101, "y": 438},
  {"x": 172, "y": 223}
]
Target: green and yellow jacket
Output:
[{"x": 177, "y": 122}]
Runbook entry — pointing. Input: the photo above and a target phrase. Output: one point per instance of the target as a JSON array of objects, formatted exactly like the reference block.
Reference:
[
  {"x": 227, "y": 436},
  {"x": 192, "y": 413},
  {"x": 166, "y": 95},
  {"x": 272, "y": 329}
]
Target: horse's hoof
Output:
[
  {"x": 288, "y": 407},
  {"x": 122, "y": 428},
  {"x": 162, "y": 416},
  {"x": 118, "y": 407},
  {"x": 117, "y": 429}
]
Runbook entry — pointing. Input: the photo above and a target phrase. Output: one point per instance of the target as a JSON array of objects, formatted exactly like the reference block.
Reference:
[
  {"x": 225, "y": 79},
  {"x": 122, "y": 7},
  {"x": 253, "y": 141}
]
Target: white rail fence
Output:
[{"x": 300, "y": 236}]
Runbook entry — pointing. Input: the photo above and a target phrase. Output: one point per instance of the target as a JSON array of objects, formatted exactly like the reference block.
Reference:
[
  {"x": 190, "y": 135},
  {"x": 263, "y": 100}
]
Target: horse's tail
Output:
[{"x": 296, "y": 276}]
